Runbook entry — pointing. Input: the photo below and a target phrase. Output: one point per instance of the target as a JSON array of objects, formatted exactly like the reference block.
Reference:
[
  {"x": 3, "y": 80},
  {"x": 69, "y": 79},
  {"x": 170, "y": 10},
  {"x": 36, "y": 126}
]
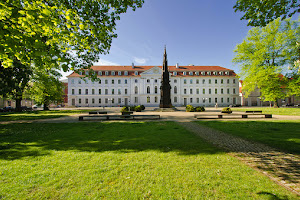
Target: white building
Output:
[{"x": 140, "y": 85}]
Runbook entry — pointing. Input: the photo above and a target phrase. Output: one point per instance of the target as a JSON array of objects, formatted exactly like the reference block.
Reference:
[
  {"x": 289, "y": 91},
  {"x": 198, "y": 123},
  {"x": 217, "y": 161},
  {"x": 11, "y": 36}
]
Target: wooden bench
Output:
[
  {"x": 253, "y": 111},
  {"x": 97, "y": 112},
  {"x": 120, "y": 117},
  {"x": 230, "y": 116}
]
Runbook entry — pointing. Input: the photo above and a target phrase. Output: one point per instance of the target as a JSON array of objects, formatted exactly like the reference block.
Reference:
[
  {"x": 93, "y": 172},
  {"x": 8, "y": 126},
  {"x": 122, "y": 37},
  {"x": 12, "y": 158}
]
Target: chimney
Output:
[
  {"x": 132, "y": 65},
  {"x": 177, "y": 65}
]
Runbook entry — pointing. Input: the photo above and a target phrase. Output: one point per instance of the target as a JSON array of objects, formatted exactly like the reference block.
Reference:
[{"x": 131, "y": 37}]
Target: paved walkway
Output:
[{"x": 283, "y": 168}]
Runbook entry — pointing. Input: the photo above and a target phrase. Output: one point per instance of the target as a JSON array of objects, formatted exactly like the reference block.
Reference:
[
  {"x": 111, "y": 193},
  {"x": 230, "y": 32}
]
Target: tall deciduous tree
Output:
[
  {"x": 261, "y": 12},
  {"x": 265, "y": 56}
]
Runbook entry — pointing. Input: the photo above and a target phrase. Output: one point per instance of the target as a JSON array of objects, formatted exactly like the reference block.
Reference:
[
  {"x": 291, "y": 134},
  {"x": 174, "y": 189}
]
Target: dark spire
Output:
[{"x": 165, "y": 62}]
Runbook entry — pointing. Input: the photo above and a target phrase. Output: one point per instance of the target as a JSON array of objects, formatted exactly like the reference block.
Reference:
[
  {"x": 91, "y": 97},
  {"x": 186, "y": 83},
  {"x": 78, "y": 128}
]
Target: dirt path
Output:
[{"x": 281, "y": 167}]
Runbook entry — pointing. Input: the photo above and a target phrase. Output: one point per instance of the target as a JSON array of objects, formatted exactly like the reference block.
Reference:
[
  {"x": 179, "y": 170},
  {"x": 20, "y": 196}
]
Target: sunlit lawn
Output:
[
  {"x": 32, "y": 115},
  {"x": 157, "y": 160},
  {"x": 284, "y": 135},
  {"x": 274, "y": 111}
]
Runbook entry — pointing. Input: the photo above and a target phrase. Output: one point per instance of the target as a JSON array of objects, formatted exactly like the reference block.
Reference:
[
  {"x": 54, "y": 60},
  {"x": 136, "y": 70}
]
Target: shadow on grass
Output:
[
  {"x": 20, "y": 140},
  {"x": 272, "y": 196}
]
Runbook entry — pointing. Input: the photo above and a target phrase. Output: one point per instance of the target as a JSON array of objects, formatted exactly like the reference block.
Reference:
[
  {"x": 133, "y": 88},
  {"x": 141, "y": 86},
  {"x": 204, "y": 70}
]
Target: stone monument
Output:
[{"x": 165, "y": 88}]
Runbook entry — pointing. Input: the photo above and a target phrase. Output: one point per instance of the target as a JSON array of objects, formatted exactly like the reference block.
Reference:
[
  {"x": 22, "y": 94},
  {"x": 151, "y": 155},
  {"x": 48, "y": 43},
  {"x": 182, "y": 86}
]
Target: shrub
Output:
[
  {"x": 189, "y": 108},
  {"x": 124, "y": 109},
  {"x": 143, "y": 107},
  {"x": 138, "y": 108},
  {"x": 132, "y": 108},
  {"x": 199, "y": 109},
  {"x": 226, "y": 110}
]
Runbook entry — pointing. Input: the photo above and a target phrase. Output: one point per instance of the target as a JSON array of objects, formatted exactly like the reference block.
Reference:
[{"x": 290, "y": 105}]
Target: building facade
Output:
[{"x": 140, "y": 85}]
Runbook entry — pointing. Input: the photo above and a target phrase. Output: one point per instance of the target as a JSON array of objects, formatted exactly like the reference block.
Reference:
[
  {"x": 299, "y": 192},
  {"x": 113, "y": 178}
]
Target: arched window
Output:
[
  {"x": 148, "y": 90},
  {"x": 155, "y": 99},
  {"x": 135, "y": 89},
  {"x": 175, "y": 90},
  {"x": 155, "y": 90}
]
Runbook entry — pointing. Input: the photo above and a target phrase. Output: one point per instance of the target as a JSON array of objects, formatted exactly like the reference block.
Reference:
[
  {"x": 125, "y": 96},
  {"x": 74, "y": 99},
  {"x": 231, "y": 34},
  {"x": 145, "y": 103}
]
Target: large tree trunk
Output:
[
  {"x": 276, "y": 104},
  {"x": 46, "y": 106},
  {"x": 18, "y": 104}
]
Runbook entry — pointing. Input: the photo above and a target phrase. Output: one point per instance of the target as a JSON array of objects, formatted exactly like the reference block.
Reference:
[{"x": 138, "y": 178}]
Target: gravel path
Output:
[{"x": 281, "y": 167}]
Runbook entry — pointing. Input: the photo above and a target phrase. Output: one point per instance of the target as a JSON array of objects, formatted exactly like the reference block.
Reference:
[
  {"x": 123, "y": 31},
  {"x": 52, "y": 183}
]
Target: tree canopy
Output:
[
  {"x": 267, "y": 56},
  {"x": 261, "y": 12},
  {"x": 70, "y": 34}
]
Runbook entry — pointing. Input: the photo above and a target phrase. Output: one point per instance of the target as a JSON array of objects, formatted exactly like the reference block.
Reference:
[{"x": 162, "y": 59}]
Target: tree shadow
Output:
[
  {"x": 21, "y": 140},
  {"x": 272, "y": 196}
]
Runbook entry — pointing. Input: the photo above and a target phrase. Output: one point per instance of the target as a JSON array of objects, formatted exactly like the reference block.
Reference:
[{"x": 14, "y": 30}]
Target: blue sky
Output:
[{"x": 199, "y": 32}]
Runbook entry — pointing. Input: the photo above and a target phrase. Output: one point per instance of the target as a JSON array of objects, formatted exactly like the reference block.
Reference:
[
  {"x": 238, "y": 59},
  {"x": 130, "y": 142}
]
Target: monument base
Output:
[{"x": 165, "y": 109}]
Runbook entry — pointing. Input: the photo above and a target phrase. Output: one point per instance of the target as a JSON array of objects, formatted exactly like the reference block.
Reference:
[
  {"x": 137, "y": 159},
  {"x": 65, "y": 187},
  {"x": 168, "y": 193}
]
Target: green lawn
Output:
[
  {"x": 274, "y": 111},
  {"x": 157, "y": 160},
  {"x": 284, "y": 135},
  {"x": 13, "y": 116}
]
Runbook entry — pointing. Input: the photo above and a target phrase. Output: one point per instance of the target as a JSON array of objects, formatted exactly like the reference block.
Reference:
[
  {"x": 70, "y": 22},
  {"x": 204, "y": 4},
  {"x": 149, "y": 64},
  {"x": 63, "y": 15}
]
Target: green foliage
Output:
[
  {"x": 189, "y": 108},
  {"x": 227, "y": 109},
  {"x": 138, "y": 108},
  {"x": 143, "y": 107},
  {"x": 124, "y": 109},
  {"x": 199, "y": 109},
  {"x": 132, "y": 108},
  {"x": 260, "y": 13},
  {"x": 264, "y": 57}
]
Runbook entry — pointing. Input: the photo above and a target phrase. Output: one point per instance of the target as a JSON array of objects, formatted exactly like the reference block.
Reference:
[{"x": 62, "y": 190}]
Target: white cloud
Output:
[
  {"x": 140, "y": 60},
  {"x": 105, "y": 62}
]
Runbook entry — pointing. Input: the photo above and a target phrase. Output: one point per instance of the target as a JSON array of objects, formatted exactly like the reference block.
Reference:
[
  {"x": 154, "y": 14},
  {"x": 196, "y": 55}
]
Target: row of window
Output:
[
  {"x": 175, "y": 73},
  {"x": 119, "y": 91}
]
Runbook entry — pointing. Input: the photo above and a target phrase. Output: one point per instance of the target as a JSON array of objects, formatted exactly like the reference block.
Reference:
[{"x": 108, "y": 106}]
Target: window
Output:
[
  {"x": 106, "y": 100},
  {"x": 222, "y": 100},
  {"x": 80, "y": 73},
  {"x": 79, "y": 101},
  {"x": 93, "y": 91},
  {"x": 191, "y": 100},
  {"x": 72, "y": 81},
  {"x": 184, "y": 73},
  {"x": 233, "y": 90},
  {"x": 191, "y": 73},
  {"x": 155, "y": 80},
  {"x": 112, "y": 91},
  {"x": 119, "y": 91},
  {"x": 155, "y": 89},
  {"x": 197, "y": 73},
  {"x": 119, "y": 73},
  {"x": 113, "y": 100},
  {"x": 216, "y": 100},
  {"x": 191, "y": 81},
  {"x": 227, "y": 100},
  {"x": 86, "y": 91},
  {"x": 175, "y": 99},
  {"x": 73, "y": 91},
  {"x": 175, "y": 73},
  {"x": 209, "y": 91},
  {"x": 100, "y": 73},
  {"x": 79, "y": 91},
  {"x": 184, "y": 81},
  {"x": 175, "y": 90},
  {"x": 203, "y": 100},
  {"x": 125, "y": 91},
  {"x": 191, "y": 91},
  {"x": 125, "y": 81},
  {"x": 233, "y": 81},
  {"x": 228, "y": 91},
  {"x": 113, "y": 73},
  {"x": 106, "y": 91},
  {"x": 155, "y": 99},
  {"x": 148, "y": 80},
  {"x": 198, "y": 100},
  {"x": 135, "y": 80},
  {"x": 209, "y": 100},
  {"x": 79, "y": 81},
  {"x": 203, "y": 91},
  {"x": 221, "y": 81},
  {"x": 119, "y": 100},
  {"x": 99, "y": 100},
  {"x": 197, "y": 81},
  {"x": 99, "y": 81},
  {"x": 136, "y": 73},
  {"x": 148, "y": 90},
  {"x": 175, "y": 80},
  {"x": 99, "y": 91},
  {"x": 203, "y": 81},
  {"x": 148, "y": 99},
  {"x": 216, "y": 81},
  {"x": 93, "y": 100},
  {"x": 126, "y": 73},
  {"x": 86, "y": 72},
  {"x": 226, "y": 73},
  {"x": 197, "y": 91},
  {"x": 86, "y": 101},
  {"x": 221, "y": 90},
  {"x": 135, "y": 89},
  {"x": 216, "y": 91},
  {"x": 106, "y": 73},
  {"x": 227, "y": 81},
  {"x": 209, "y": 81},
  {"x": 113, "y": 81},
  {"x": 203, "y": 73},
  {"x": 119, "y": 81},
  {"x": 135, "y": 99},
  {"x": 209, "y": 73},
  {"x": 184, "y": 91},
  {"x": 106, "y": 81}
]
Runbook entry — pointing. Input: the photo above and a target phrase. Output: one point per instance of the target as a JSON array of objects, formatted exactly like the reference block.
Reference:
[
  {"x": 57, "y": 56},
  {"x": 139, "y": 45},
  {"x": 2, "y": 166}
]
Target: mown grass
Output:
[
  {"x": 40, "y": 114},
  {"x": 283, "y": 135},
  {"x": 274, "y": 111},
  {"x": 157, "y": 160}
]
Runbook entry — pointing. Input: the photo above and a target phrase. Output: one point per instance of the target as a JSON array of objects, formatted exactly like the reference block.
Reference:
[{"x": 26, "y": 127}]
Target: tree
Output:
[
  {"x": 70, "y": 34},
  {"x": 261, "y": 12},
  {"x": 265, "y": 56},
  {"x": 13, "y": 81},
  {"x": 46, "y": 87}
]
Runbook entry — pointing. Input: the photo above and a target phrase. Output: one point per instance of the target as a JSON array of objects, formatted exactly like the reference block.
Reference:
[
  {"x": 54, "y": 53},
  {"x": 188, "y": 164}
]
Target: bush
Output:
[
  {"x": 132, "y": 108},
  {"x": 199, "y": 109},
  {"x": 189, "y": 108},
  {"x": 226, "y": 110},
  {"x": 124, "y": 109},
  {"x": 138, "y": 108},
  {"x": 143, "y": 107}
]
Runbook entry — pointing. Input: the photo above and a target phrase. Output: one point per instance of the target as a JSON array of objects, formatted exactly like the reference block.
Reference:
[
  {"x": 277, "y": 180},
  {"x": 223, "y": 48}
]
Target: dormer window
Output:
[
  {"x": 175, "y": 73},
  {"x": 214, "y": 73},
  {"x": 113, "y": 73},
  {"x": 106, "y": 73},
  {"x": 184, "y": 73},
  {"x": 126, "y": 73},
  {"x": 226, "y": 73},
  {"x": 209, "y": 73},
  {"x": 221, "y": 73},
  {"x": 191, "y": 73},
  {"x": 197, "y": 73},
  {"x": 86, "y": 72},
  {"x": 100, "y": 73},
  {"x": 80, "y": 73},
  {"x": 203, "y": 73},
  {"x": 119, "y": 73},
  {"x": 136, "y": 73}
]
